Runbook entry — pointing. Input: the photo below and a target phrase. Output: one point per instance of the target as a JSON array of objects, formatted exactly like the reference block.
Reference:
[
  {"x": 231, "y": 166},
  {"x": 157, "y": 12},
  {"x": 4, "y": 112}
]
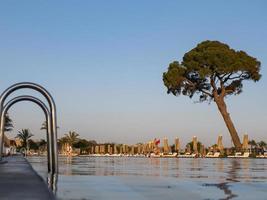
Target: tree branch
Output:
[
  {"x": 228, "y": 91},
  {"x": 213, "y": 85},
  {"x": 232, "y": 78},
  {"x": 206, "y": 92},
  {"x": 235, "y": 77},
  {"x": 202, "y": 90},
  {"x": 226, "y": 79}
]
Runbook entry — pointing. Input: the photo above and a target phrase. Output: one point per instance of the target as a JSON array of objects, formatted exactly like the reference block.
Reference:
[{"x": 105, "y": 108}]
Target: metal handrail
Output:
[
  {"x": 52, "y": 109},
  {"x": 50, "y": 119}
]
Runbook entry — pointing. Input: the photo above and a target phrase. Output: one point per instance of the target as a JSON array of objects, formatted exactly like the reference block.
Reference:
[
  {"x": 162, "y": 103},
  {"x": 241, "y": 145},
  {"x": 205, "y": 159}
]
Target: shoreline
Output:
[{"x": 143, "y": 156}]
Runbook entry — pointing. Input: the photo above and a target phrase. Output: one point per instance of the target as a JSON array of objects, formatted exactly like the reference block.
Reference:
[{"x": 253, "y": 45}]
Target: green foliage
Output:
[
  {"x": 72, "y": 139},
  {"x": 42, "y": 145},
  {"x": 262, "y": 144},
  {"x": 199, "y": 144},
  {"x": 82, "y": 144},
  {"x": 93, "y": 142},
  {"x": 42, "y": 142},
  {"x": 62, "y": 141},
  {"x": 253, "y": 143},
  {"x": 172, "y": 148},
  {"x": 212, "y": 68},
  {"x": 33, "y": 145}
]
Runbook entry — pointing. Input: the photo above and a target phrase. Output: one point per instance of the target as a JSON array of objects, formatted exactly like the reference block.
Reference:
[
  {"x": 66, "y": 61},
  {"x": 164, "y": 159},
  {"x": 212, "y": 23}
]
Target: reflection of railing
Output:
[{"x": 50, "y": 115}]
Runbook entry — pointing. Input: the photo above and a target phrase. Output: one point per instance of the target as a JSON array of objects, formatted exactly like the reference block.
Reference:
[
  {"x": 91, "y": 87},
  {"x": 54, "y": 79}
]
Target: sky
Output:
[{"x": 103, "y": 62}]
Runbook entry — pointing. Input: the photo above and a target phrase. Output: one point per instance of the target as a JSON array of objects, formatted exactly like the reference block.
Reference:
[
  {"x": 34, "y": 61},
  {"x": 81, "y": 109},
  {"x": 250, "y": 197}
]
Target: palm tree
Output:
[
  {"x": 8, "y": 126},
  {"x": 253, "y": 144},
  {"x": 190, "y": 144},
  {"x": 42, "y": 145},
  {"x": 214, "y": 147},
  {"x": 62, "y": 141},
  {"x": 42, "y": 142},
  {"x": 24, "y": 135},
  {"x": 8, "y": 123},
  {"x": 71, "y": 138},
  {"x": 44, "y": 126},
  {"x": 262, "y": 144}
]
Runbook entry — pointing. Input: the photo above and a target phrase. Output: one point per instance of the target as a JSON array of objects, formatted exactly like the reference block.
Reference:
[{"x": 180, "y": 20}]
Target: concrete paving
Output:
[{"x": 18, "y": 180}]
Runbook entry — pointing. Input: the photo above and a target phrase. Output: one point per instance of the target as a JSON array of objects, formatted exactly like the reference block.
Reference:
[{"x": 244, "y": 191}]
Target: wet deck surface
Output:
[{"x": 18, "y": 180}]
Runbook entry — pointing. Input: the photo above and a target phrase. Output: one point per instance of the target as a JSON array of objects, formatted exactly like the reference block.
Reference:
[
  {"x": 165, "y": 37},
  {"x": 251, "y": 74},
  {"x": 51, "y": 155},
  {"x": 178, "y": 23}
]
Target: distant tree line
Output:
[{"x": 73, "y": 140}]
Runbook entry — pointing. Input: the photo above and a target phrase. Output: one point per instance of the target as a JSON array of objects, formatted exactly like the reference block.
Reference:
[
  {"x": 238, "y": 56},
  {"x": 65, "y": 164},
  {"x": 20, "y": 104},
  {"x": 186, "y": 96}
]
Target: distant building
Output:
[
  {"x": 109, "y": 149},
  {"x": 125, "y": 149},
  {"x": 9, "y": 146},
  {"x": 165, "y": 146},
  {"x": 145, "y": 148},
  {"x": 96, "y": 149},
  {"x": 220, "y": 144},
  {"x": 188, "y": 148},
  {"x": 195, "y": 144},
  {"x": 202, "y": 150},
  {"x": 139, "y": 148},
  {"x": 121, "y": 149},
  {"x": 115, "y": 149},
  {"x": 176, "y": 145},
  {"x": 132, "y": 150},
  {"x": 102, "y": 149},
  {"x": 245, "y": 143},
  {"x": 151, "y": 146}
]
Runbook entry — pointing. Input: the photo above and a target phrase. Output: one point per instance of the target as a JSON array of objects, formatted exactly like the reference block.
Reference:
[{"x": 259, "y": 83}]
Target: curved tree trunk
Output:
[{"x": 228, "y": 121}]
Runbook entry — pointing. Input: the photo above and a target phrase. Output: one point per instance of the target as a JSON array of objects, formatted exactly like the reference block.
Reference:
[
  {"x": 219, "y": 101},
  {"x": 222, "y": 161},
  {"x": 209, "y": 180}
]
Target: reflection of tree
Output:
[
  {"x": 165, "y": 165},
  {"x": 232, "y": 177},
  {"x": 220, "y": 165},
  {"x": 232, "y": 173},
  {"x": 195, "y": 163},
  {"x": 156, "y": 164},
  {"x": 225, "y": 188}
]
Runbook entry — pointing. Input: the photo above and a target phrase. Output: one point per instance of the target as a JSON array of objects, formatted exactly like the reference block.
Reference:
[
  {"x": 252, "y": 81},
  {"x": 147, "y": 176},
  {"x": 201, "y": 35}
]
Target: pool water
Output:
[{"x": 134, "y": 178}]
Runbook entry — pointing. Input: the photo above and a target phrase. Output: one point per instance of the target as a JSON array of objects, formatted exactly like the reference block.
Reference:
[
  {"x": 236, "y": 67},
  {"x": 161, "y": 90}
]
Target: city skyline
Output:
[{"x": 107, "y": 80}]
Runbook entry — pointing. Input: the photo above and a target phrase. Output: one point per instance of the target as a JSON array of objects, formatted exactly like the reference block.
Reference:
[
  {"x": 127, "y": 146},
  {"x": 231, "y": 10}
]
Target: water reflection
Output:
[
  {"x": 225, "y": 188},
  {"x": 220, "y": 165},
  {"x": 232, "y": 175},
  {"x": 233, "y": 170},
  {"x": 224, "y": 170}
]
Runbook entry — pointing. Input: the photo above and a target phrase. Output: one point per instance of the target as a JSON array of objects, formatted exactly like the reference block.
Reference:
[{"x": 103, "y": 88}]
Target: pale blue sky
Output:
[{"x": 103, "y": 62}]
